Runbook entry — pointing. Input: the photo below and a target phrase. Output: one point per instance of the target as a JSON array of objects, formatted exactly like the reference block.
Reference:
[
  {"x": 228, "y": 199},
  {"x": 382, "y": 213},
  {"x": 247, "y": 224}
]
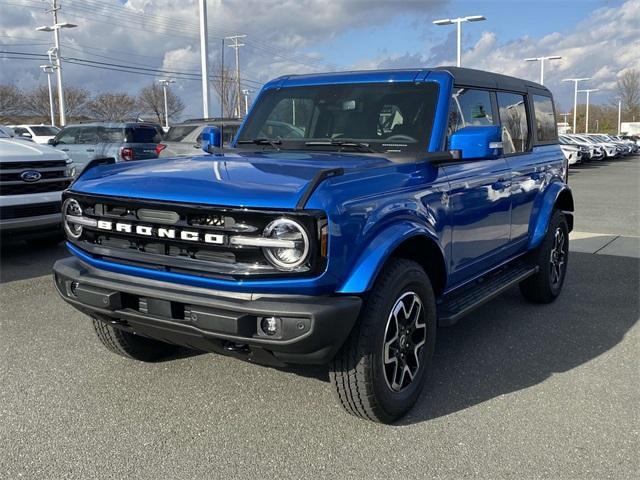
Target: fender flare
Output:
[
  {"x": 364, "y": 272},
  {"x": 556, "y": 194}
]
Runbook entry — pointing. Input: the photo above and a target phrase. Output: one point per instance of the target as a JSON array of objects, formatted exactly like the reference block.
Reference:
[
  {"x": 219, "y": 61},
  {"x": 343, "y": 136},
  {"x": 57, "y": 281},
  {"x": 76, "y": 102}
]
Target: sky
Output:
[{"x": 596, "y": 38}]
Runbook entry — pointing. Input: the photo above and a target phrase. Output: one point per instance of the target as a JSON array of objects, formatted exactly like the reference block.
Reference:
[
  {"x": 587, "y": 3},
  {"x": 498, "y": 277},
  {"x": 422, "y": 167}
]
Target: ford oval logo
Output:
[{"x": 31, "y": 176}]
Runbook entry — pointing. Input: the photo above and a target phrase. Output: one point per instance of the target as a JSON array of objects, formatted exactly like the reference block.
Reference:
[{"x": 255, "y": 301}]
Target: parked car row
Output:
[{"x": 585, "y": 147}]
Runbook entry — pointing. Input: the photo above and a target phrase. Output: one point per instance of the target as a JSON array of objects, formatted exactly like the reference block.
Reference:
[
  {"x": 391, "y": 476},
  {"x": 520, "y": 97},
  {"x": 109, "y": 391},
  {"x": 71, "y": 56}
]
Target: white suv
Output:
[
  {"x": 32, "y": 178},
  {"x": 37, "y": 133}
]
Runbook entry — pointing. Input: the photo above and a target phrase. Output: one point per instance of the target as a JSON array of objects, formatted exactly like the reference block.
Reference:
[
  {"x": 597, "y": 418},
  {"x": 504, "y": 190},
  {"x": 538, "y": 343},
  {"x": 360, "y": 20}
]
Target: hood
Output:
[
  {"x": 258, "y": 180},
  {"x": 13, "y": 150}
]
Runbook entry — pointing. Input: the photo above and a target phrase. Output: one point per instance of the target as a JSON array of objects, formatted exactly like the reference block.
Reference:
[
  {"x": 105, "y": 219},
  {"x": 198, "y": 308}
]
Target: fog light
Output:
[
  {"x": 270, "y": 325},
  {"x": 73, "y": 289}
]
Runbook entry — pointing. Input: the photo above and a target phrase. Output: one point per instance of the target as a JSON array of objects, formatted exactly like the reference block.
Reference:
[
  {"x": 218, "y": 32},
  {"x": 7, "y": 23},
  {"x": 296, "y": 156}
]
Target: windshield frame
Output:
[{"x": 424, "y": 119}]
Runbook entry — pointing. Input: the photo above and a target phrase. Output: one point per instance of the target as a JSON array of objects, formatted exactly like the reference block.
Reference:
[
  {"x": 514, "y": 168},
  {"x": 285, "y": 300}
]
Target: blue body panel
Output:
[{"x": 479, "y": 213}]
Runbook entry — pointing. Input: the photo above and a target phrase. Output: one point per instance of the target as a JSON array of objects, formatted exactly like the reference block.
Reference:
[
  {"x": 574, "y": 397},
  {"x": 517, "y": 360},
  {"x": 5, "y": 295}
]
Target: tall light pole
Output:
[
  {"x": 55, "y": 28},
  {"x": 587, "y": 91},
  {"x": 237, "y": 46},
  {"x": 204, "y": 58},
  {"x": 48, "y": 69},
  {"x": 165, "y": 83},
  {"x": 575, "y": 97},
  {"x": 458, "y": 21},
  {"x": 246, "y": 93},
  {"x": 541, "y": 60},
  {"x": 619, "y": 115}
]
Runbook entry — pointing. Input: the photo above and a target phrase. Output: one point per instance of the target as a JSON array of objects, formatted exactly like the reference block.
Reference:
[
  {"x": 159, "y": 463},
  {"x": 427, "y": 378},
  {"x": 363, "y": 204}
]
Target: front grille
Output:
[
  {"x": 218, "y": 260},
  {"x": 23, "y": 211},
  {"x": 53, "y": 177}
]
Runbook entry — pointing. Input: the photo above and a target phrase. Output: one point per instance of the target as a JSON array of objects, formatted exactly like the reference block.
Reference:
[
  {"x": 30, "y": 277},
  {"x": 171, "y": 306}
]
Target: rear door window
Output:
[
  {"x": 513, "y": 118},
  {"x": 545, "y": 119},
  {"x": 142, "y": 135},
  {"x": 87, "y": 135},
  {"x": 67, "y": 136}
]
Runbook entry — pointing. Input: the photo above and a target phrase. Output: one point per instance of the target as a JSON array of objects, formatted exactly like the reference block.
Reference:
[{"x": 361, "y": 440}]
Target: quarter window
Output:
[
  {"x": 513, "y": 117},
  {"x": 545, "y": 118},
  {"x": 469, "y": 108}
]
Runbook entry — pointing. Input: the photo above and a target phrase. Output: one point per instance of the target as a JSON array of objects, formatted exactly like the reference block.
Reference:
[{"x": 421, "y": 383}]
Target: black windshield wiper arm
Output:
[
  {"x": 342, "y": 144},
  {"x": 264, "y": 141}
]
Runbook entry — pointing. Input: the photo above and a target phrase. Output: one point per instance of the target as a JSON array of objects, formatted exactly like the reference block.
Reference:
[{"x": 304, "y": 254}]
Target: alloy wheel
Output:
[{"x": 558, "y": 257}]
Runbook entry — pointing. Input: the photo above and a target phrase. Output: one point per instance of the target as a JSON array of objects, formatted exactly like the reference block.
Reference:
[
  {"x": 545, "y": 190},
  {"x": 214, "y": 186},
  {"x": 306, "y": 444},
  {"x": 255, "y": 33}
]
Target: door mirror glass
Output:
[
  {"x": 211, "y": 138},
  {"x": 52, "y": 141},
  {"x": 481, "y": 142}
]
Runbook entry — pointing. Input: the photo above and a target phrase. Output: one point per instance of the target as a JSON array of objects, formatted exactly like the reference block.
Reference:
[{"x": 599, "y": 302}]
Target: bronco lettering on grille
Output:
[{"x": 162, "y": 232}]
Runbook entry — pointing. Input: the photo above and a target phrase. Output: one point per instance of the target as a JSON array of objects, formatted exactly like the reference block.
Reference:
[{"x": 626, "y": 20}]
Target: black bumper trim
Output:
[{"x": 312, "y": 328}]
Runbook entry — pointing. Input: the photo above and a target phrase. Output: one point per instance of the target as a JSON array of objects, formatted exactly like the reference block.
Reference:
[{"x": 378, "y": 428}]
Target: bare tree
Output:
[
  {"x": 36, "y": 102},
  {"x": 11, "y": 102},
  {"x": 113, "y": 106},
  {"x": 151, "y": 100},
  {"x": 629, "y": 91},
  {"x": 224, "y": 83}
]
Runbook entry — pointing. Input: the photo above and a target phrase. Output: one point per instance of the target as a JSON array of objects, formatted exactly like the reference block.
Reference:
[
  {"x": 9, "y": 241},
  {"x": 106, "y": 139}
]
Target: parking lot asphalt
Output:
[{"x": 516, "y": 391}]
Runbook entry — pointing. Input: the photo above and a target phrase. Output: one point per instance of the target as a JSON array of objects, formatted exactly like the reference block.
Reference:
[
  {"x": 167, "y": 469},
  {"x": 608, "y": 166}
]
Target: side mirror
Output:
[
  {"x": 476, "y": 142},
  {"x": 211, "y": 138},
  {"x": 52, "y": 141}
]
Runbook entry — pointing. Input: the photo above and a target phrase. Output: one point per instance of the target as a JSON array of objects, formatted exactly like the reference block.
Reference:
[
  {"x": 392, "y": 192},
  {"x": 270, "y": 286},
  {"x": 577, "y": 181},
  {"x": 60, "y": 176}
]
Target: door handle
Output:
[
  {"x": 90, "y": 150},
  {"x": 64, "y": 149}
]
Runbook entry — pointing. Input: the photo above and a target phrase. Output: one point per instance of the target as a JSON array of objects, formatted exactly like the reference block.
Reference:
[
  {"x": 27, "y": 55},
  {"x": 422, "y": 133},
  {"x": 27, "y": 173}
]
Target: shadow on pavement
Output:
[
  {"x": 509, "y": 345},
  {"x": 20, "y": 260}
]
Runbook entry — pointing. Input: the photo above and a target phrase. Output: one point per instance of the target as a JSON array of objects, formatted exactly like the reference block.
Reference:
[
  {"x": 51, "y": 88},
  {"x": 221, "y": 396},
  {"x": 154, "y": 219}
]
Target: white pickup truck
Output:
[{"x": 32, "y": 178}]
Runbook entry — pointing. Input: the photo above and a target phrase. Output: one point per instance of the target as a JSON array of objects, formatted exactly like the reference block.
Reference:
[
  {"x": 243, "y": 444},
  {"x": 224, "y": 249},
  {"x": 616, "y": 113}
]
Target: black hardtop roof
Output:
[{"x": 481, "y": 78}]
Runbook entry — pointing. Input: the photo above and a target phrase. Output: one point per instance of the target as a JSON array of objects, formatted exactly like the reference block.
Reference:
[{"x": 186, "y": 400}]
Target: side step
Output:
[{"x": 457, "y": 304}]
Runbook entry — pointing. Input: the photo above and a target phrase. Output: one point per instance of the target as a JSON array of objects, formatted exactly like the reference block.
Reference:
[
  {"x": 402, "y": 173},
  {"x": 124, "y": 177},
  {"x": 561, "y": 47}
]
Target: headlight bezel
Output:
[
  {"x": 76, "y": 231},
  {"x": 273, "y": 257}
]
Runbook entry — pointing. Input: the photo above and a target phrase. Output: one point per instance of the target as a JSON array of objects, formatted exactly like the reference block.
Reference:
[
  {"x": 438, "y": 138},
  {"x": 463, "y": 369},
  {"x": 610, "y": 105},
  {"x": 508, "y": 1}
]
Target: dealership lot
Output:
[{"x": 517, "y": 390}]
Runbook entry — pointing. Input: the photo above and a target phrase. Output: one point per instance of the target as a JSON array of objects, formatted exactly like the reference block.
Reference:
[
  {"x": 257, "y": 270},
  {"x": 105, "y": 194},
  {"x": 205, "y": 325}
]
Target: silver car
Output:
[{"x": 184, "y": 139}]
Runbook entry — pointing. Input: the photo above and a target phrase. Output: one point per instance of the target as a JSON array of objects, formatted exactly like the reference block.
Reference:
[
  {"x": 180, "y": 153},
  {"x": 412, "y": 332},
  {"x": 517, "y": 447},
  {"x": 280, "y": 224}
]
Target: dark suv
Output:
[{"x": 120, "y": 141}]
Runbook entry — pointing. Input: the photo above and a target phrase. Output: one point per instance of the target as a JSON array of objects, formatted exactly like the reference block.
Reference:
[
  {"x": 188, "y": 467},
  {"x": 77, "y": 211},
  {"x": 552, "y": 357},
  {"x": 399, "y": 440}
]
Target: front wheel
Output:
[
  {"x": 380, "y": 370},
  {"x": 551, "y": 258}
]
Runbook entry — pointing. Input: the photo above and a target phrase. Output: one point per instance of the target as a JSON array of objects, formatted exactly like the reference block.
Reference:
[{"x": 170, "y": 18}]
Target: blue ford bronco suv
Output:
[{"x": 353, "y": 214}]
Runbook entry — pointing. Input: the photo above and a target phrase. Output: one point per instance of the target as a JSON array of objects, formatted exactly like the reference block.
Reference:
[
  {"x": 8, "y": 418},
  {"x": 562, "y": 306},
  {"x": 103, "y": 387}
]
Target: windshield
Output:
[
  {"x": 177, "y": 133},
  {"x": 45, "y": 131},
  {"x": 383, "y": 117}
]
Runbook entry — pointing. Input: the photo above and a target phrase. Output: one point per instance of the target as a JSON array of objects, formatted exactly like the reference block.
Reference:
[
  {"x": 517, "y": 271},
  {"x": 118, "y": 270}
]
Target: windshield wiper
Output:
[
  {"x": 342, "y": 144},
  {"x": 264, "y": 141}
]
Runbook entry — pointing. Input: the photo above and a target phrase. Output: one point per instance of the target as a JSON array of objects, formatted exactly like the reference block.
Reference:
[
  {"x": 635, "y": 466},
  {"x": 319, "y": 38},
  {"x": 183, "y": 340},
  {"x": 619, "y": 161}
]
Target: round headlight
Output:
[
  {"x": 289, "y": 257},
  {"x": 71, "y": 208}
]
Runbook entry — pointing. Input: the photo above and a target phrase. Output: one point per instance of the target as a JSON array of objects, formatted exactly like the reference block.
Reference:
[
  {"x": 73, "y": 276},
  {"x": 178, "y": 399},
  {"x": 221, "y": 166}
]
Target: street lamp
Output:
[
  {"x": 56, "y": 34},
  {"x": 587, "y": 91},
  {"x": 458, "y": 21},
  {"x": 619, "y": 114},
  {"x": 541, "y": 60},
  {"x": 48, "y": 69},
  {"x": 165, "y": 83},
  {"x": 575, "y": 96}
]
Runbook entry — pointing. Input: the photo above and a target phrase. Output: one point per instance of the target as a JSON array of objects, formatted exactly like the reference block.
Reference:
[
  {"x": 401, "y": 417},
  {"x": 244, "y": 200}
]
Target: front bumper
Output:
[
  {"x": 311, "y": 328},
  {"x": 31, "y": 225}
]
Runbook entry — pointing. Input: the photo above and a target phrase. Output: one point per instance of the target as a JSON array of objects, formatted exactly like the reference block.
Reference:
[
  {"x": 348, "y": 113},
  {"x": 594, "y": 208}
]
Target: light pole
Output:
[
  {"x": 165, "y": 83},
  {"x": 204, "y": 57},
  {"x": 619, "y": 115},
  {"x": 246, "y": 93},
  {"x": 541, "y": 60},
  {"x": 48, "y": 69},
  {"x": 458, "y": 21},
  {"x": 587, "y": 91},
  {"x": 575, "y": 97}
]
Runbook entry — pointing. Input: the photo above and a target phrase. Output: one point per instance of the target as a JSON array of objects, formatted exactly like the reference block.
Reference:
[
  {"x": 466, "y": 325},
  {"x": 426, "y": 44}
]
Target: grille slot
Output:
[{"x": 23, "y": 211}]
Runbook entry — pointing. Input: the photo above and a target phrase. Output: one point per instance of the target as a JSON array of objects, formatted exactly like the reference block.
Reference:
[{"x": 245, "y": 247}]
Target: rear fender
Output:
[
  {"x": 556, "y": 195},
  {"x": 378, "y": 251}
]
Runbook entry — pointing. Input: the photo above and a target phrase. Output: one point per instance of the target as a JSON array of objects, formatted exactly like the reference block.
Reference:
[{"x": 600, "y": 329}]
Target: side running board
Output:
[{"x": 457, "y": 304}]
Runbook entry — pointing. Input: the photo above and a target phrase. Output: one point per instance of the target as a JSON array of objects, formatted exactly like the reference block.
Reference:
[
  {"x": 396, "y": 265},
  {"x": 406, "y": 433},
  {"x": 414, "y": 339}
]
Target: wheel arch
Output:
[{"x": 557, "y": 196}]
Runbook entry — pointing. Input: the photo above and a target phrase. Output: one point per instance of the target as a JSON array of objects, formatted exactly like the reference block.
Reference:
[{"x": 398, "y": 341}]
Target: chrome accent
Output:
[
  {"x": 261, "y": 242},
  {"x": 305, "y": 240},
  {"x": 84, "y": 221}
]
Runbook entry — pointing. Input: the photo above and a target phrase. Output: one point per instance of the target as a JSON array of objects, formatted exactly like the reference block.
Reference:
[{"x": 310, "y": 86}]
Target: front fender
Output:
[
  {"x": 557, "y": 193},
  {"x": 374, "y": 256}
]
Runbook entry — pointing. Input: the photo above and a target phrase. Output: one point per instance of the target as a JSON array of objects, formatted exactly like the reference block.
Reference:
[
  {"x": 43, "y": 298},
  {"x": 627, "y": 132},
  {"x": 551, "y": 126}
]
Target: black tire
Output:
[
  {"x": 130, "y": 345},
  {"x": 359, "y": 371},
  {"x": 546, "y": 285}
]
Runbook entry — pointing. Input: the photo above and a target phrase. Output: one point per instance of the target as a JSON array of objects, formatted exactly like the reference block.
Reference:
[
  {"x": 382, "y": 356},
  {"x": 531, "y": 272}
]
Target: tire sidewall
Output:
[
  {"x": 394, "y": 404},
  {"x": 559, "y": 222}
]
